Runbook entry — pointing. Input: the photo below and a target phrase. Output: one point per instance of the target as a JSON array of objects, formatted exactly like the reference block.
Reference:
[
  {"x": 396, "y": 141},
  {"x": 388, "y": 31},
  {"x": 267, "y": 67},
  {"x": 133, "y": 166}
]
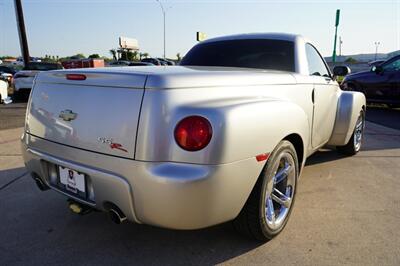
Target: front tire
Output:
[
  {"x": 270, "y": 203},
  {"x": 355, "y": 142}
]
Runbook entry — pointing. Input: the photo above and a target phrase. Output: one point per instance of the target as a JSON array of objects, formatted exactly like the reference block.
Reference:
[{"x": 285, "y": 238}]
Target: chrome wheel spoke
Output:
[
  {"x": 280, "y": 189},
  {"x": 269, "y": 210},
  {"x": 281, "y": 198},
  {"x": 283, "y": 173}
]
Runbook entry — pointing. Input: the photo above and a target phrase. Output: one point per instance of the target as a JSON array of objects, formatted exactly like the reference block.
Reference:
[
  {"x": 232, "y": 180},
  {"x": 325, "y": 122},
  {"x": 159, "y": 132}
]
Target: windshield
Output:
[
  {"x": 42, "y": 66},
  {"x": 250, "y": 53}
]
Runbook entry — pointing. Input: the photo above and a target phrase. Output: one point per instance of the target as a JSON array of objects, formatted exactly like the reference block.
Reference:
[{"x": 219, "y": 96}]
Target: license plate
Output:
[{"x": 73, "y": 181}]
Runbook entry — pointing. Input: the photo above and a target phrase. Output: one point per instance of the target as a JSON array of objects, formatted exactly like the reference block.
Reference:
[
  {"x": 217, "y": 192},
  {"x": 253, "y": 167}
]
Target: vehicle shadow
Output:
[
  {"x": 37, "y": 228},
  {"x": 324, "y": 155},
  {"x": 9, "y": 176}
]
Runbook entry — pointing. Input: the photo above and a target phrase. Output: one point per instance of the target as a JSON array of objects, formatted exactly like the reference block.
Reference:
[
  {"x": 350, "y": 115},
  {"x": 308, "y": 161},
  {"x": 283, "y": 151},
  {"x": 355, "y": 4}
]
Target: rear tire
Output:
[
  {"x": 271, "y": 201},
  {"x": 355, "y": 142}
]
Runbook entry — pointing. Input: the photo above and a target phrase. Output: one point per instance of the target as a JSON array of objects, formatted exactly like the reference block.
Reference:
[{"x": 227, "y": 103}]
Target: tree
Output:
[
  {"x": 78, "y": 56},
  {"x": 143, "y": 55},
  {"x": 94, "y": 56},
  {"x": 178, "y": 55},
  {"x": 351, "y": 60},
  {"x": 113, "y": 52}
]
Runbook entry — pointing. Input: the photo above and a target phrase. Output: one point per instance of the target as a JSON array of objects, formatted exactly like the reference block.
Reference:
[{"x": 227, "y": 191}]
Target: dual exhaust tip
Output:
[
  {"x": 39, "y": 183},
  {"x": 115, "y": 214}
]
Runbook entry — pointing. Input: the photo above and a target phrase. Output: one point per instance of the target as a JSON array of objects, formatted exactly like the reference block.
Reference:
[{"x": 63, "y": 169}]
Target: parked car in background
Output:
[
  {"x": 222, "y": 137},
  {"x": 154, "y": 61},
  {"x": 375, "y": 63},
  {"x": 23, "y": 80},
  {"x": 166, "y": 62},
  {"x": 381, "y": 84},
  {"x": 119, "y": 63},
  {"x": 7, "y": 69},
  {"x": 140, "y": 64}
]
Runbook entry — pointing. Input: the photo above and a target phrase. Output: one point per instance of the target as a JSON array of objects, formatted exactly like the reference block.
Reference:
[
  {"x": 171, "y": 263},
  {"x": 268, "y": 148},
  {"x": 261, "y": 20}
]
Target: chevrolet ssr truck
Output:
[{"x": 222, "y": 137}]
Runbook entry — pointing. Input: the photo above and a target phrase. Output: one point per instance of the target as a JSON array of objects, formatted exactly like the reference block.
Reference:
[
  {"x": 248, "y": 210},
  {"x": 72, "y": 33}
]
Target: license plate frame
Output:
[{"x": 72, "y": 181}]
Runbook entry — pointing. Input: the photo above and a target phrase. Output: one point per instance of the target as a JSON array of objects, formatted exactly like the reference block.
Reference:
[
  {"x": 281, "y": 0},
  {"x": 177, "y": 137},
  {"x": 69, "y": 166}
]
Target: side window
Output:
[
  {"x": 392, "y": 66},
  {"x": 316, "y": 65}
]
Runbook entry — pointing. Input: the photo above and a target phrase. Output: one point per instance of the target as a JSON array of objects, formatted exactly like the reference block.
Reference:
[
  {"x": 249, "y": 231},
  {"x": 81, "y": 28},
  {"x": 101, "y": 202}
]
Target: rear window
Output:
[
  {"x": 250, "y": 53},
  {"x": 42, "y": 66}
]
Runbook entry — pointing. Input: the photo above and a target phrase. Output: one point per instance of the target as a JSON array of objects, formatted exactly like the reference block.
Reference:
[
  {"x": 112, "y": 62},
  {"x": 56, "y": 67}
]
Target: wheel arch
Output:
[{"x": 298, "y": 144}]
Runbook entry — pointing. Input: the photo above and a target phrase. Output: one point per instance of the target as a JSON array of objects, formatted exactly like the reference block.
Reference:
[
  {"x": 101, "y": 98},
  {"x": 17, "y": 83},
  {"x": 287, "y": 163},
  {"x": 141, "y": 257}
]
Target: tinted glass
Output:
[
  {"x": 251, "y": 53},
  {"x": 316, "y": 65},
  {"x": 42, "y": 66},
  {"x": 393, "y": 65}
]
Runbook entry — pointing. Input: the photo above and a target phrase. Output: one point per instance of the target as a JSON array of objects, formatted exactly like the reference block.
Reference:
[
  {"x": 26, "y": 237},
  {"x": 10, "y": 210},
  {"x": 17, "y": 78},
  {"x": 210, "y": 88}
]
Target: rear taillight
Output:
[
  {"x": 193, "y": 133},
  {"x": 75, "y": 77}
]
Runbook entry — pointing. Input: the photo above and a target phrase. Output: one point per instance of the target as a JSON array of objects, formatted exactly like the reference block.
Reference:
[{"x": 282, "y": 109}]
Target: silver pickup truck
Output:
[{"x": 222, "y": 137}]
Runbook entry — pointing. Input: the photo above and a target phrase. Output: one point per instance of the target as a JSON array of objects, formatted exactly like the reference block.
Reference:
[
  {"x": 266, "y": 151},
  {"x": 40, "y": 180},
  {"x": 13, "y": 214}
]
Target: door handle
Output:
[{"x": 313, "y": 95}]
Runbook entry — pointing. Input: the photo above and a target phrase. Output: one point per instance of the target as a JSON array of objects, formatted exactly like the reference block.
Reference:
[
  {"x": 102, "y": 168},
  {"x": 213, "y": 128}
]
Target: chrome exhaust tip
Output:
[
  {"x": 40, "y": 184},
  {"x": 116, "y": 215}
]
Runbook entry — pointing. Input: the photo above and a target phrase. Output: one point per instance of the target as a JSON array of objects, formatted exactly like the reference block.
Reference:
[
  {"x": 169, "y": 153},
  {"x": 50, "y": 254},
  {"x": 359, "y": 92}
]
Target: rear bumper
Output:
[{"x": 166, "y": 194}]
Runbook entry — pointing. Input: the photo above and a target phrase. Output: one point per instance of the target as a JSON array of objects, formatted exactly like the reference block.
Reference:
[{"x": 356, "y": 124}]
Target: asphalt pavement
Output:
[{"x": 346, "y": 212}]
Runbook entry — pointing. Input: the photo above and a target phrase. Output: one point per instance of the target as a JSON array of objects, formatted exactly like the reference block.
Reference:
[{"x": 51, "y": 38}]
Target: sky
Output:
[{"x": 68, "y": 27}]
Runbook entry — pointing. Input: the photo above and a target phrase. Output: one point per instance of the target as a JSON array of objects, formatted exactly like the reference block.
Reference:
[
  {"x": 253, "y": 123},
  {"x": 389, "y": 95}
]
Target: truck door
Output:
[{"x": 325, "y": 97}]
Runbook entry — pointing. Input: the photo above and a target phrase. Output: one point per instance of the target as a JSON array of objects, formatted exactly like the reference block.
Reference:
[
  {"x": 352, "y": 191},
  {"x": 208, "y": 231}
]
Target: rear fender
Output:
[
  {"x": 348, "y": 109},
  {"x": 242, "y": 128}
]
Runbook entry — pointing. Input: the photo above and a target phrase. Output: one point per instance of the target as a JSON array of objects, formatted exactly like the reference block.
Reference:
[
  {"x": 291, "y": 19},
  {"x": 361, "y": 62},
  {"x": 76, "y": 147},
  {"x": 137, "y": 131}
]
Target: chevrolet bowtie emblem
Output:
[{"x": 68, "y": 115}]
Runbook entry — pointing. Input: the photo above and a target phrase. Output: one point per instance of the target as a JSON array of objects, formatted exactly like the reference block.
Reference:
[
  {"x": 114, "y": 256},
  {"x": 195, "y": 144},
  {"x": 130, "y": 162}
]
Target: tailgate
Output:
[{"x": 98, "y": 114}]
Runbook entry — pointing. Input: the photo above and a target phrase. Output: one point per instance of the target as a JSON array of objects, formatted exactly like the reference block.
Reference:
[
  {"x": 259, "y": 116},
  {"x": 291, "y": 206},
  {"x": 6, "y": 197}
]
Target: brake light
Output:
[
  {"x": 193, "y": 133},
  {"x": 75, "y": 77}
]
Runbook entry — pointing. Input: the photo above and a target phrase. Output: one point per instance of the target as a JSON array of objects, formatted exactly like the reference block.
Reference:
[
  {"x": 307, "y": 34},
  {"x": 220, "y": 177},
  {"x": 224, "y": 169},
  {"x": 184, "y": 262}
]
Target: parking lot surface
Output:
[{"x": 347, "y": 212}]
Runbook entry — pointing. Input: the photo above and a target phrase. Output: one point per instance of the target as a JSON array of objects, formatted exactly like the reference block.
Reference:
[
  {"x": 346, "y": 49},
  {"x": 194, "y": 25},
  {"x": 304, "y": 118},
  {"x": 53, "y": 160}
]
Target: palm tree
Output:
[
  {"x": 143, "y": 55},
  {"x": 113, "y": 52}
]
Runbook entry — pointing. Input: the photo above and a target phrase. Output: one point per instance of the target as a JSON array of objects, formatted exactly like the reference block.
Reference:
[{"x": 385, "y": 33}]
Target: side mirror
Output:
[
  {"x": 341, "y": 71},
  {"x": 377, "y": 69}
]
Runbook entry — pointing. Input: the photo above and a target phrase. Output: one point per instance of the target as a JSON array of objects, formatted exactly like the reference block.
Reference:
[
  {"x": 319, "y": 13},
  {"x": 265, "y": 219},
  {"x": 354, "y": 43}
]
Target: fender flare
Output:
[{"x": 348, "y": 108}]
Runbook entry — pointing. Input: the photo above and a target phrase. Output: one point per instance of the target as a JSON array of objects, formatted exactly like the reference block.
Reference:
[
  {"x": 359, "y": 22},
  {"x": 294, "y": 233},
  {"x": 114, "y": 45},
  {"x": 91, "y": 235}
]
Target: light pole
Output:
[
  {"x": 376, "y": 49},
  {"x": 163, "y": 11},
  {"x": 21, "y": 31}
]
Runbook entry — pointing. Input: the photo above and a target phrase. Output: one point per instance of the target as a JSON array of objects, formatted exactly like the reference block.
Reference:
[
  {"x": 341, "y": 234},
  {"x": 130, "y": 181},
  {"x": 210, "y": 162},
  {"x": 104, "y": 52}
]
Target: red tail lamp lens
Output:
[
  {"x": 193, "y": 133},
  {"x": 76, "y": 77}
]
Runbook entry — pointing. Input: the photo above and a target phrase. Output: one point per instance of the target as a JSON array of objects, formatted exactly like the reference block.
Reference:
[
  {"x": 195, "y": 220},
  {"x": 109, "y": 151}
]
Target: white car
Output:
[
  {"x": 222, "y": 137},
  {"x": 23, "y": 80}
]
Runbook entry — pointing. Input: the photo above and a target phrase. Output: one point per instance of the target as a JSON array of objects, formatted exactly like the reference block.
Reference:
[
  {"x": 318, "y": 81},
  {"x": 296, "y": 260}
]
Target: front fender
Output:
[{"x": 348, "y": 109}]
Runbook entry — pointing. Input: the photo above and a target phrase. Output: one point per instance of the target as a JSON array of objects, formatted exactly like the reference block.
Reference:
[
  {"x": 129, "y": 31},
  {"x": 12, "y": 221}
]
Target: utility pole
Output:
[
  {"x": 163, "y": 11},
  {"x": 340, "y": 45},
  {"x": 334, "y": 43},
  {"x": 376, "y": 49},
  {"x": 21, "y": 31}
]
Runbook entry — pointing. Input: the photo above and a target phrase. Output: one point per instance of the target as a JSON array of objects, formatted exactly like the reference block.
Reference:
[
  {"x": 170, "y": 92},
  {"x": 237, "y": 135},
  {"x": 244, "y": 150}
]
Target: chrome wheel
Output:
[
  {"x": 358, "y": 133},
  {"x": 280, "y": 190}
]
